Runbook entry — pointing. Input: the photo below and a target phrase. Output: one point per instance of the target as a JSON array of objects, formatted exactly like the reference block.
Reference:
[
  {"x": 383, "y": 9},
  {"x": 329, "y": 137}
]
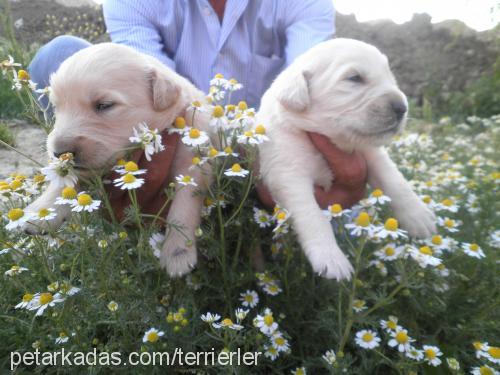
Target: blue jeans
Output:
[{"x": 48, "y": 59}]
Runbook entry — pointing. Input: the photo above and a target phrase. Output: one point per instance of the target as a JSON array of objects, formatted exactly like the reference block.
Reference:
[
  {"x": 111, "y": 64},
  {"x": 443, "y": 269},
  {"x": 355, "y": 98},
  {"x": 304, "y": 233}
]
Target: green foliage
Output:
[{"x": 6, "y": 135}]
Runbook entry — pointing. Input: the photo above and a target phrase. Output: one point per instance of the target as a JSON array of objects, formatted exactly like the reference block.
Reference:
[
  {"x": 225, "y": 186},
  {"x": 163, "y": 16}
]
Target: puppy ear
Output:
[
  {"x": 165, "y": 93},
  {"x": 294, "y": 94}
]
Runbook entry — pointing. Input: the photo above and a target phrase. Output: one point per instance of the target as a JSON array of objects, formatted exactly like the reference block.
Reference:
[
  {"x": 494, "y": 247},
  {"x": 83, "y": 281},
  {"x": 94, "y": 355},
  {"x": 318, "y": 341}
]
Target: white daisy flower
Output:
[
  {"x": 112, "y": 306},
  {"x": 391, "y": 229},
  {"x": 17, "y": 218},
  {"x": 227, "y": 323},
  {"x": 299, "y": 371},
  {"x": 26, "y": 302},
  {"x": 447, "y": 204},
  {"x": 453, "y": 364},
  {"x": 250, "y": 298},
  {"x": 195, "y": 137},
  {"x": 152, "y": 335},
  {"x": 41, "y": 301},
  {"x": 272, "y": 289},
  {"x": 261, "y": 217},
  {"x": 414, "y": 353},
  {"x": 84, "y": 202},
  {"x": 473, "y": 250},
  {"x": 63, "y": 338},
  {"x": 21, "y": 78},
  {"x": 389, "y": 252},
  {"x": 236, "y": 170},
  {"x": 493, "y": 354},
  {"x": 484, "y": 370},
  {"x": 424, "y": 256},
  {"x": 129, "y": 182},
  {"x": 448, "y": 224},
  {"x": 60, "y": 171},
  {"x": 361, "y": 225},
  {"x": 432, "y": 354},
  {"x": 241, "y": 314},
  {"x": 400, "y": 340},
  {"x": 156, "y": 242},
  {"x": 218, "y": 80},
  {"x": 367, "y": 339},
  {"x": 232, "y": 85},
  {"x": 209, "y": 317},
  {"x": 128, "y": 167},
  {"x": 185, "y": 180},
  {"x": 336, "y": 210},
  {"x": 15, "y": 270},
  {"x": 8, "y": 64},
  {"x": 249, "y": 137},
  {"x": 179, "y": 126},
  {"x": 279, "y": 342},
  {"x": 219, "y": 119},
  {"x": 330, "y": 357},
  {"x": 266, "y": 322},
  {"x": 377, "y": 196},
  {"x": 271, "y": 352},
  {"x": 439, "y": 243},
  {"x": 45, "y": 214},
  {"x": 359, "y": 305},
  {"x": 150, "y": 140},
  {"x": 390, "y": 325},
  {"x": 68, "y": 196}
]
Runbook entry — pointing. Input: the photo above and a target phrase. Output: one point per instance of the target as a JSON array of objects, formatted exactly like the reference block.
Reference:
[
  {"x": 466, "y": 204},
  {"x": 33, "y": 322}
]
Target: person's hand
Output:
[
  {"x": 150, "y": 195},
  {"x": 349, "y": 169}
]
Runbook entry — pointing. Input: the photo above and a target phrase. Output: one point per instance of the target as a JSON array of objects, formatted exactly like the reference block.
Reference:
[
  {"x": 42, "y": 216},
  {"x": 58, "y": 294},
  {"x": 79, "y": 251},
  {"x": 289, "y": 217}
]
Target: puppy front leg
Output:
[
  {"x": 179, "y": 253},
  {"x": 47, "y": 200},
  {"x": 412, "y": 213},
  {"x": 312, "y": 227}
]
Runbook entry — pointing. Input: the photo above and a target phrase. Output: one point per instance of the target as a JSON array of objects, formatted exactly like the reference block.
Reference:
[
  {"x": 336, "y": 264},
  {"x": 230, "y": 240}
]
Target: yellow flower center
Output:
[
  {"x": 429, "y": 183},
  {"x": 152, "y": 336},
  {"x": 46, "y": 298},
  {"x": 16, "y": 184},
  {"x": 449, "y": 223},
  {"x": 43, "y": 212},
  {"x": 27, "y": 297},
  {"x": 401, "y": 337},
  {"x": 335, "y": 208},
  {"x": 430, "y": 354},
  {"x": 218, "y": 111},
  {"x": 84, "y": 200},
  {"x": 242, "y": 106},
  {"x": 212, "y": 152},
  {"x": 219, "y": 76},
  {"x": 367, "y": 337},
  {"x": 68, "y": 193},
  {"x": 180, "y": 123},
  {"x": 377, "y": 193},
  {"x": 121, "y": 162},
  {"x": 196, "y": 104},
  {"x": 391, "y": 324},
  {"x": 391, "y": 224},
  {"x": 474, "y": 247},
  {"x": 280, "y": 341},
  {"x": 23, "y": 75},
  {"x": 260, "y": 129},
  {"x": 208, "y": 202},
  {"x": 230, "y": 107},
  {"x": 129, "y": 178},
  {"x": 227, "y": 322},
  {"x": 15, "y": 214},
  {"x": 281, "y": 216},
  {"x": 194, "y": 133},
  {"x": 494, "y": 352},
  {"x": 38, "y": 178},
  {"x": 447, "y": 202},
  {"x": 427, "y": 199},
  {"x": 228, "y": 150},
  {"x": 236, "y": 168},
  {"x": 437, "y": 240},
  {"x": 131, "y": 167},
  {"x": 389, "y": 251},
  {"x": 268, "y": 320},
  {"x": 249, "y": 298},
  {"x": 485, "y": 370},
  {"x": 233, "y": 81},
  {"x": 248, "y": 133},
  {"x": 186, "y": 179},
  {"x": 426, "y": 250},
  {"x": 363, "y": 219},
  {"x": 477, "y": 345},
  {"x": 63, "y": 334},
  {"x": 196, "y": 160}
]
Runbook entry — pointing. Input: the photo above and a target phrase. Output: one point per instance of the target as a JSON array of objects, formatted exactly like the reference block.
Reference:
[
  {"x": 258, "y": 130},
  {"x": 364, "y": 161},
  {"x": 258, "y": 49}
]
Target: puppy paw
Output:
[
  {"x": 418, "y": 220},
  {"x": 330, "y": 263},
  {"x": 178, "y": 256}
]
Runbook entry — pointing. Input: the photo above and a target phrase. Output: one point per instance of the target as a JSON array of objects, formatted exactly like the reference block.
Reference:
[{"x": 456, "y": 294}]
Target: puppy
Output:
[
  {"x": 99, "y": 94},
  {"x": 343, "y": 89}
]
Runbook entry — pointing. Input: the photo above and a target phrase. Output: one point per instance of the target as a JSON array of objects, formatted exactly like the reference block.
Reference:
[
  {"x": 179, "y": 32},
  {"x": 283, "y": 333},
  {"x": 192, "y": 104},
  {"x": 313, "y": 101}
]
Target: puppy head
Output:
[
  {"x": 347, "y": 91},
  {"x": 99, "y": 94}
]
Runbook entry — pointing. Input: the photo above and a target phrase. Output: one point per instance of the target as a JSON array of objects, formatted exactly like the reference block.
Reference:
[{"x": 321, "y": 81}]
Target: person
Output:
[{"x": 250, "y": 40}]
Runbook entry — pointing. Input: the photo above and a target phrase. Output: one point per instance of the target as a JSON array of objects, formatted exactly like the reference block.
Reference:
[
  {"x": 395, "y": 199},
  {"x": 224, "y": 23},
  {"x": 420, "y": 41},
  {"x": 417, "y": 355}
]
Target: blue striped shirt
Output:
[{"x": 256, "y": 40}]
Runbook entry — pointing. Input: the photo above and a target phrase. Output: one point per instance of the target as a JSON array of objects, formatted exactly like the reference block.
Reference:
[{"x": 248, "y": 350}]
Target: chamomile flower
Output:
[
  {"x": 473, "y": 250},
  {"x": 60, "y": 171},
  {"x": 493, "y": 354},
  {"x": 8, "y": 64},
  {"x": 439, "y": 243},
  {"x": 232, "y": 85},
  {"x": 15, "y": 270},
  {"x": 26, "y": 302},
  {"x": 299, "y": 371},
  {"x": 271, "y": 352},
  {"x": 128, "y": 182},
  {"x": 400, "y": 340},
  {"x": 448, "y": 224},
  {"x": 152, "y": 335},
  {"x": 22, "y": 78},
  {"x": 367, "y": 339},
  {"x": 112, "y": 306},
  {"x": 272, "y": 289},
  {"x": 45, "y": 214},
  {"x": 335, "y": 210},
  {"x": 330, "y": 357},
  {"x": 219, "y": 119},
  {"x": 179, "y": 126},
  {"x": 41, "y": 301},
  {"x": 377, "y": 197},
  {"x": 17, "y": 218},
  {"x": 424, "y": 256},
  {"x": 195, "y": 137},
  {"x": 227, "y": 323},
  {"x": 453, "y": 364},
  {"x": 84, "y": 202},
  {"x": 484, "y": 370},
  {"x": 359, "y": 305},
  {"x": 279, "y": 342},
  {"x": 481, "y": 348},
  {"x": 209, "y": 317},
  {"x": 414, "y": 353},
  {"x": 250, "y": 298},
  {"x": 218, "y": 80},
  {"x": 185, "y": 180},
  {"x": 447, "y": 204},
  {"x": 68, "y": 196},
  {"x": 156, "y": 242},
  {"x": 389, "y": 252},
  {"x": 432, "y": 354},
  {"x": 236, "y": 170},
  {"x": 361, "y": 225},
  {"x": 241, "y": 314},
  {"x": 390, "y": 325},
  {"x": 149, "y": 140},
  {"x": 249, "y": 137},
  {"x": 261, "y": 217},
  {"x": 128, "y": 167},
  {"x": 391, "y": 229},
  {"x": 266, "y": 322}
]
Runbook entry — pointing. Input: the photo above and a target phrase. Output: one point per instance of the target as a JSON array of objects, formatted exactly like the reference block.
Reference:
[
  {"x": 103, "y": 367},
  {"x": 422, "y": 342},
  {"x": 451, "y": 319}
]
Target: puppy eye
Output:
[
  {"x": 355, "y": 78},
  {"x": 103, "y": 106}
]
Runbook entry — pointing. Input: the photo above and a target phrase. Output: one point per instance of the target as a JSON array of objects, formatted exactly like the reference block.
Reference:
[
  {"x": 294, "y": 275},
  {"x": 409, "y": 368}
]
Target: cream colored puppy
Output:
[
  {"x": 99, "y": 95},
  {"x": 342, "y": 89}
]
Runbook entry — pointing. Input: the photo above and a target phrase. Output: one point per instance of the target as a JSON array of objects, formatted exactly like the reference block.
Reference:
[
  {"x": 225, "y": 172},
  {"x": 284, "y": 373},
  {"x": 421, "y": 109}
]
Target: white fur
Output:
[
  {"x": 143, "y": 90},
  {"x": 315, "y": 94}
]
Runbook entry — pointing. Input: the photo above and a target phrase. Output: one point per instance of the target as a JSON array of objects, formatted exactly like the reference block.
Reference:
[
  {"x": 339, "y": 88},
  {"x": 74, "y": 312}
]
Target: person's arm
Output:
[
  {"x": 134, "y": 24},
  {"x": 307, "y": 23}
]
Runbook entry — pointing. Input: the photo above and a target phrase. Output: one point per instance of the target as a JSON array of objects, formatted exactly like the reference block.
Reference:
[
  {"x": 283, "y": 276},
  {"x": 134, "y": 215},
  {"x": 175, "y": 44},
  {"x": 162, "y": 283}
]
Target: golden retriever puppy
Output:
[
  {"x": 343, "y": 89},
  {"x": 99, "y": 95}
]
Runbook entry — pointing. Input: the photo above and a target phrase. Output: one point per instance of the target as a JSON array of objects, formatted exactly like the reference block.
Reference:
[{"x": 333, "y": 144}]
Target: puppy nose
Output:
[
  {"x": 57, "y": 154},
  {"x": 399, "y": 109}
]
